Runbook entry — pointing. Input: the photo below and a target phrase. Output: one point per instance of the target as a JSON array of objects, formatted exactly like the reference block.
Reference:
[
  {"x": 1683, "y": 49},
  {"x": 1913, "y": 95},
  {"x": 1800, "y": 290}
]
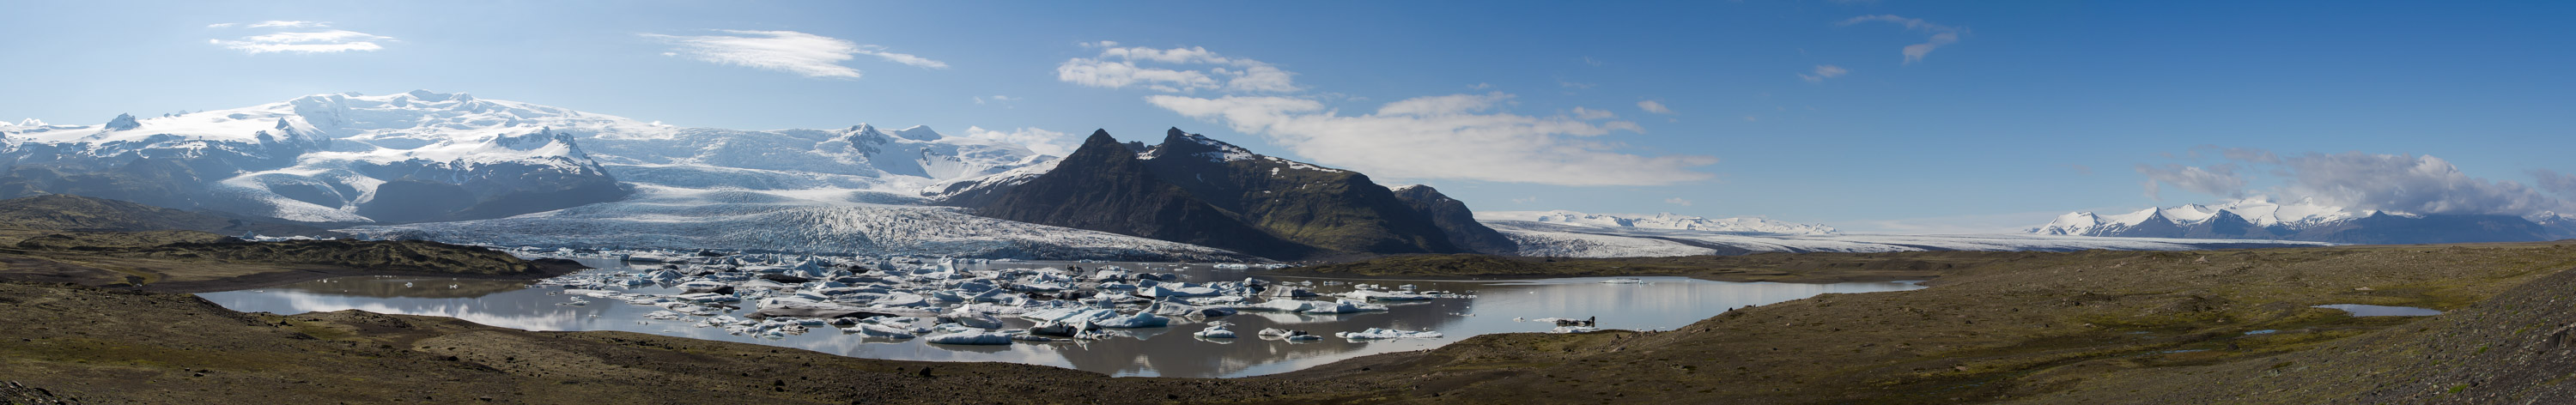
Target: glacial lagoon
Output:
[{"x": 1657, "y": 303}]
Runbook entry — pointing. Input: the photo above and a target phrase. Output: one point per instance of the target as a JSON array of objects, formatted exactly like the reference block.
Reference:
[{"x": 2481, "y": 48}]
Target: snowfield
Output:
[{"x": 1560, "y": 240}]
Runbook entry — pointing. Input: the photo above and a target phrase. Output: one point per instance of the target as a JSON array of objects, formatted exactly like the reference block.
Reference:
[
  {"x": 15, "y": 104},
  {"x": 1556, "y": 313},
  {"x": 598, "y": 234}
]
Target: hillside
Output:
[
  {"x": 1197, "y": 190},
  {"x": 58, "y": 212}
]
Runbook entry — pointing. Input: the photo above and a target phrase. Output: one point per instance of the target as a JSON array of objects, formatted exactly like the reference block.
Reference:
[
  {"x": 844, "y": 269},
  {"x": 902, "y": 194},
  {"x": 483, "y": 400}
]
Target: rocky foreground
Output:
[{"x": 2083, "y": 327}]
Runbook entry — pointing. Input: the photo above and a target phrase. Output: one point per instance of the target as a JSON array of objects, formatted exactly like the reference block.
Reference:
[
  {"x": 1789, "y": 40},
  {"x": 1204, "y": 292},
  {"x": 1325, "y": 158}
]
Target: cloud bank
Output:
[{"x": 2419, "y": 184}]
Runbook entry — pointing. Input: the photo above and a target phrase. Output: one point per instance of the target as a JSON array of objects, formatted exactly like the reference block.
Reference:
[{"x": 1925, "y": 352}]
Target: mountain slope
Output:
[
  {"x": 1103, "y": 187},
  {"x": 1197, "y": 190},
  {"x": 77, "y": 213},
  {"x": 1456, "y": 220},
  {"x": 1329, "y": 208}
]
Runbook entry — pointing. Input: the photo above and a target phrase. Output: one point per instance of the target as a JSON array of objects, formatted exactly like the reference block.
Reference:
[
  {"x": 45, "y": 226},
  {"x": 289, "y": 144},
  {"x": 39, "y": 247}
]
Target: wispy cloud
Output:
[
  {"x": 1471, "y": 141},
  {"x": 980, "y": 100},
  {"x": 1181, "y": 70},
  {"x": 1653, "y": 106},
  {"x": 289, "y": 24},
  {"x": 1823, "y": 72},
  {"x": 1588, "y": 114},
  {"x": 786, "y": 51},
  {"x": 1940, "y": 34},
  {"x": 323, "y": 41}
]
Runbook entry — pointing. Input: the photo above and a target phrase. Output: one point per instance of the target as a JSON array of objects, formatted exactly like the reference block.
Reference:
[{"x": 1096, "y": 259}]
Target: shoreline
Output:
[{"x": 547, "y": 268}]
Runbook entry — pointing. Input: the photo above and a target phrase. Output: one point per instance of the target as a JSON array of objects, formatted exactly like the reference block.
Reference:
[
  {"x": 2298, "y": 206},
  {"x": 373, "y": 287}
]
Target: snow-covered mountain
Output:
[
  {"x": 2308, "y": 220},
  {"x": 427, "y": 156},
  {"x": 1659, "y": 221}
]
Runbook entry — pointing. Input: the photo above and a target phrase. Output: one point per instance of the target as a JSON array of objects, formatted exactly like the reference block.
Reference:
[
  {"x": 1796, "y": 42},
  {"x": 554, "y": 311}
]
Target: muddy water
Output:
[{"x": 1660, "y": 303}]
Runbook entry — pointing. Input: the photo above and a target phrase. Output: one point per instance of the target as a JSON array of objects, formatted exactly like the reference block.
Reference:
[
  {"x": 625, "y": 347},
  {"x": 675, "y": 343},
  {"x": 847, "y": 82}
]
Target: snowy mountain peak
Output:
[
  {"x": 1177, "y": 142},
  {"x": 2259, "y": 211},
  {"x": 919, "y": 133},
  {"x": 1659, "y": 221},
  {"x": 123, "y": 122},
  {"x": 31, "y": 122}
]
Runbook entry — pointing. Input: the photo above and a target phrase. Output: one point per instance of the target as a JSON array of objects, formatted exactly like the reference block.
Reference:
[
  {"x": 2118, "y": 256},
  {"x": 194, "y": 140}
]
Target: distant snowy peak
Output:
[
  {"x": 2257, "y": 211},
  {"x": 1659, "y": 221}
]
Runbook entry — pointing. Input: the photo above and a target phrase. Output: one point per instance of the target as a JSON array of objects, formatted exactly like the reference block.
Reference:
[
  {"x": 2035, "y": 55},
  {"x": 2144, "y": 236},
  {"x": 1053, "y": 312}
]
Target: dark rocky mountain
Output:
[
  {"x": 1455, "y": 219},
  {"x": 1103, "y": 186},
  {"x": 1329, "y": 208},
  {"x": 1297, "y": 210}
]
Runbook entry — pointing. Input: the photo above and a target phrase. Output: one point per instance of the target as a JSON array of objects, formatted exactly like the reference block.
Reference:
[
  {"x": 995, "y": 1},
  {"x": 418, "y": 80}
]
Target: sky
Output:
[{"x": 1871, "y": 116}]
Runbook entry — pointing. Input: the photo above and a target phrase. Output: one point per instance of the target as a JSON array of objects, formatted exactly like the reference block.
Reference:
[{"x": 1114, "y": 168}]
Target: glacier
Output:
[{"x": 1562, "y": 240}]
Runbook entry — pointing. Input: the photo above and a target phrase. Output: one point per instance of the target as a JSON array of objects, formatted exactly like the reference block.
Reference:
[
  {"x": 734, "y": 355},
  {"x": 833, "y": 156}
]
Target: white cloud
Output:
[
  {"x": 1588, "y": 114},
  {"x": 1941, "y": 34},
  {"x": 1823, "y": 72},
  {"x": 786, "y": 51},
  {"x": 2419, "y": 184},
  {"x": 1037, "y": 140},
  {"x": 221, "y": 25},
  {"x": 289, "y": 24},
  {"x": 979, "y": 100},
  {"x": 1677, "y": 201},
  {"x": 1653, "y": 106},
  {"x": 327, "y": 41},
  {"x": 1449, "y": 137},
  {"x": 2218, "y": 180},
  {"x": 1118, "y": 67}
]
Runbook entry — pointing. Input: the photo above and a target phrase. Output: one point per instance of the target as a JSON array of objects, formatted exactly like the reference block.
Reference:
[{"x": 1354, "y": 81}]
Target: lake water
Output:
[
  {"x": 1660, "y": 303},
  {"x": 2359, "y": 310}
]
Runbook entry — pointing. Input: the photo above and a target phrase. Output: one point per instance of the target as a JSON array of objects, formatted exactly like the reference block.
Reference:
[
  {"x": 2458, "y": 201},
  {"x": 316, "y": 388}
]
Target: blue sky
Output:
[{"x": 2004, "y": 113}]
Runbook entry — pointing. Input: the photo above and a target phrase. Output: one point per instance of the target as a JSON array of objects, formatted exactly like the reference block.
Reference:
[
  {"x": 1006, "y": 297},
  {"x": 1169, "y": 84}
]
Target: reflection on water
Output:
[{"x": 1661, "y": 303}]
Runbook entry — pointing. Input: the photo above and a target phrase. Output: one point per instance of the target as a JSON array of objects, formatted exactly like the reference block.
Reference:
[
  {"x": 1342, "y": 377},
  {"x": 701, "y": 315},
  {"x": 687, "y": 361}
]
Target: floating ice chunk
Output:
[
  {"x": 1574, "y": 329},
  {"x": 1623, "y": 281},
  {"x": 1139, "y": 320},
  {"x": 879, "y": 331},
  {"x": 969, "y": 318},
  {"x": 1376, "y": 333},
  {"x": 664, "y": 315},
  {"x": 1346, "y": 307},
  {"x": 1215, "y": 331}
]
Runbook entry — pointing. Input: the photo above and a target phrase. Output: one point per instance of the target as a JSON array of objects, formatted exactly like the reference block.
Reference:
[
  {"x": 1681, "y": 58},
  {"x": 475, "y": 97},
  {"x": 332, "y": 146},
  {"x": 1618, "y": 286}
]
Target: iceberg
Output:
[
  {"x": 972, "y": 338},
  {"x": 1376, "y": 333}
]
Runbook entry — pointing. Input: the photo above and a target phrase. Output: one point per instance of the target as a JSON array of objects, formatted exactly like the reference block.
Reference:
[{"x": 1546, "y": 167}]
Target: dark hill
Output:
[
  {"x": 1103, "y": 187},
  {"x": 60, "y": 212}
]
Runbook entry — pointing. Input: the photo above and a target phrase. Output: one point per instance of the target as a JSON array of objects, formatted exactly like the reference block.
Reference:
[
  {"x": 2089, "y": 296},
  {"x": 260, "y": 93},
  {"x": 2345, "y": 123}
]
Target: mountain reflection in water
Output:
[{"x": 1661, "y": 303}]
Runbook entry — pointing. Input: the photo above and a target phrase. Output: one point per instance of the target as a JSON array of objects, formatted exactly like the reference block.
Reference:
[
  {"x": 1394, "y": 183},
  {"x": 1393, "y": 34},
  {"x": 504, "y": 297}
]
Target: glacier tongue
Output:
[
  {"x": 809, "y": 221},
  {"x": 1658, "y": 221}
]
